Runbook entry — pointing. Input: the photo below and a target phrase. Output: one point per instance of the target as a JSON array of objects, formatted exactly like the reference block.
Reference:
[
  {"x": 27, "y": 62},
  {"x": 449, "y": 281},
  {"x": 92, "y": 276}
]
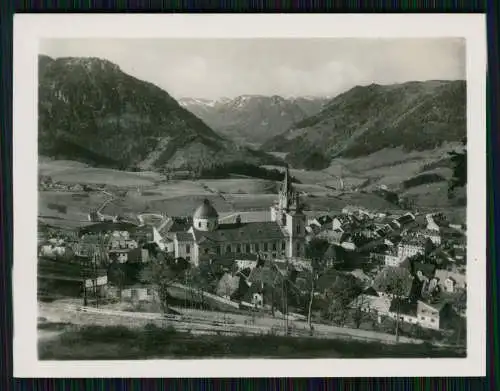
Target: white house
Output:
[
  {"x": 245, "y": 263},
  {"x": 139, "y": 293},
  {"x": 392, "y": 260},
  {"x": 450, "y": 281},
  {"x": 433, "y": 235},
  {"x": 376, "y": 305},
  {"x": 411, "y": 247}
]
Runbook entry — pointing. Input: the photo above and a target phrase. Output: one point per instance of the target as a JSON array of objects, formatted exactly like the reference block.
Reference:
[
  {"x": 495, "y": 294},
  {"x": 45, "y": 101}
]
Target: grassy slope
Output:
[
  {"x": 417, "y": 116},
  {"x": 91, "y": 111},
  {"x": 120, "y": 343}
]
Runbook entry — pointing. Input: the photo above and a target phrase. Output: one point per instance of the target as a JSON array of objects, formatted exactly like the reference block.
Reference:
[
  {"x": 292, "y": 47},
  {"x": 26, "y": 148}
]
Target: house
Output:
[
  {"x": 434, "y": 315},
  {"x": 333, "y": 236},
  {"x": 356, "y": 211},
  {"x": 136, "y": 293},
  {"x": 51, "y": 251},
  {"x": 342, "y": 223},
  {"x": 321, "y": 221},
  {"x": 118, "y": 255},
  {"x": 450, "y": 281},
  {"x": 383, "y": 229},
  {"x": 301, "y": 264},
  {"x": 404, "y": 220},
  {"x": 431, "y": 223},
  {"x": 147, "y": 234},
  {"x": 248, "y": 263},
  {"x": 391, "y": 258},
  {"x": 183, "y": 243},
  {"x": 393, "y": 282},
  {"x": 313, "y": 229},
  {"x": 92, "y": 246},
  {"x": 406, "y": 310},
  {"x": 97, "y": 285},
  {"x": 375, "y": 305},
  {"x": 433, "y": 235},
  {"x": 121, "y": 240},
  {"x": 253, "y": 296},
  {"x": 410, "y": 247}
]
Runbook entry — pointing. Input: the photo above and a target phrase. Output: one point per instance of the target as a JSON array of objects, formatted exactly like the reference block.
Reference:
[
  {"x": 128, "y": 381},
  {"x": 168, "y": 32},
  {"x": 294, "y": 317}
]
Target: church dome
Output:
[{"x": 206, "y": 211}]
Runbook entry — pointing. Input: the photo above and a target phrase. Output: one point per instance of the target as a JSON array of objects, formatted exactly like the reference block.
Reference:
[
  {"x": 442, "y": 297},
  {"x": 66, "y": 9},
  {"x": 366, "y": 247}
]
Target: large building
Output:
[{"x": 283, "y": 236}]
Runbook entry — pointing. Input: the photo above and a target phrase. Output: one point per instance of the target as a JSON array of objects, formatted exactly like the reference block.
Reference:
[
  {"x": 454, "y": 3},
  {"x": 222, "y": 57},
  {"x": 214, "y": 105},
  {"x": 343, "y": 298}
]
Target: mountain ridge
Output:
[
  {"x": 91, "y": 111},
  {"x": 252, "y": 118},
  {"x": 367, "y": 119}
]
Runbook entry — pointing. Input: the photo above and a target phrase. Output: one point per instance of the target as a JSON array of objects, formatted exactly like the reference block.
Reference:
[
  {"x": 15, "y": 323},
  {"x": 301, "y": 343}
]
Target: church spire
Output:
[{"x": 286, "y": 181}]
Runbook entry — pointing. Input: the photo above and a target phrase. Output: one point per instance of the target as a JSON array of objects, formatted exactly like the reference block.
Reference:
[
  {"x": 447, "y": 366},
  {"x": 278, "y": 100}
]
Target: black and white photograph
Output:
[{"x": 251, "y": 197}]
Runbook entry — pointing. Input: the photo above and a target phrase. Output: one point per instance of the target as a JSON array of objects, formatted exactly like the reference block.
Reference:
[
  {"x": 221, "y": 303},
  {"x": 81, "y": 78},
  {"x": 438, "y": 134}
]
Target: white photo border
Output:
[{"x": 29, "y": 29}]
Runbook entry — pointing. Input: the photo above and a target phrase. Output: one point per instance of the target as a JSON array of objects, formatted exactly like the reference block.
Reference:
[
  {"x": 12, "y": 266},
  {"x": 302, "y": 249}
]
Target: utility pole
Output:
[
  {"x": 83, "y": 274},
  {"x": 98, "y": 255}
]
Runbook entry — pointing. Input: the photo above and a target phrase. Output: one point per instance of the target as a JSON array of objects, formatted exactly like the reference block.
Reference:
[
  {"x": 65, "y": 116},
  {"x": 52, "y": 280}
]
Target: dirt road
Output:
[{"x": 197, "y": 321}]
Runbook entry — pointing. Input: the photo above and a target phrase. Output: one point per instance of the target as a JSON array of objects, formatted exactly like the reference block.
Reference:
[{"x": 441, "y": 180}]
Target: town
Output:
[{"x": 351, "y": 273}]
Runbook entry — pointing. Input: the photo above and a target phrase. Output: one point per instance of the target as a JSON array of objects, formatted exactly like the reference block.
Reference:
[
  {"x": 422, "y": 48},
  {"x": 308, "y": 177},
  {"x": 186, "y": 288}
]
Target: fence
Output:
[{"x": 88, "y": 315}]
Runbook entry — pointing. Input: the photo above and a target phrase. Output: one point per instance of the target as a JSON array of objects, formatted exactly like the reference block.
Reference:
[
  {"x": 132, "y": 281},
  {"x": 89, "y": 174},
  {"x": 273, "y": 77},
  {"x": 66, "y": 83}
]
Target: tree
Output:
[
  {"x": 361, "y": 305},
  {"x": 203, "y": 280},
  {"x": 117, "y": 276},
  {"x": 397, "y": 288},
  {"x": 225, "y": 287},
  {"x": 159, "y": 273},
  {"x": 459, "y": 162},
  {"x": 428, "y": 248},
  {"x": 316, "y": 248},
  {"x": 339, "y": 296}
]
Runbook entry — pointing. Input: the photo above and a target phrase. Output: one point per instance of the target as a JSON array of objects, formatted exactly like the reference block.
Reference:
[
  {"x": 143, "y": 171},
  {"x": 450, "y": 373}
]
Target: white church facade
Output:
[{"x": 283, "y": 236}]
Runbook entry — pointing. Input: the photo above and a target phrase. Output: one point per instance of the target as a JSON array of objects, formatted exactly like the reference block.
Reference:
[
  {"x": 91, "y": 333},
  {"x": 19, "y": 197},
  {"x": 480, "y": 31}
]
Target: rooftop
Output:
[
  {"x": 324, "y": 219},
  {"x": 243, "y": 232},
  {"x": 442, "y": 275},
  {"x": 404, "y": 307},
  {"x": 184, "y": 236},
  {"x": 205, "y": 210}
]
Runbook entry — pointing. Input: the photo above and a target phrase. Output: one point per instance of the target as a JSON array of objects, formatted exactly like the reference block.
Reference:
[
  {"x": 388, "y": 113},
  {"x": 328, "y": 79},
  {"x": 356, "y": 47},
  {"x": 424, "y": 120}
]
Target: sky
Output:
[{"x": 215, "y": 68}]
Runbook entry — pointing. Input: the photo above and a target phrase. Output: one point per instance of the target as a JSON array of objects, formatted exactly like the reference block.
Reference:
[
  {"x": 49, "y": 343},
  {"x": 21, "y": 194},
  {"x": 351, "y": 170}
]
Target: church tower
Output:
[
  {"x": 296, "y": 229},
  {"x": 285, "y": 200},
  {"x": 287, "y": 212}
]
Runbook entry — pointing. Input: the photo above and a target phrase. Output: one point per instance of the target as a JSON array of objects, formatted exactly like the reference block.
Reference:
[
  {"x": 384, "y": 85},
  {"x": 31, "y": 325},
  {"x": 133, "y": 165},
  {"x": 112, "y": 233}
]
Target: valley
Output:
[{"x": 278, "y": 208}]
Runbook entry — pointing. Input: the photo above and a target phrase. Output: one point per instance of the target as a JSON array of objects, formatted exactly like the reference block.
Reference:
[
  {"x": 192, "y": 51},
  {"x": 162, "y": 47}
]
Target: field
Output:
[
  {"x": 320, "y": 190},
  {"x": 152, "y": 342}
]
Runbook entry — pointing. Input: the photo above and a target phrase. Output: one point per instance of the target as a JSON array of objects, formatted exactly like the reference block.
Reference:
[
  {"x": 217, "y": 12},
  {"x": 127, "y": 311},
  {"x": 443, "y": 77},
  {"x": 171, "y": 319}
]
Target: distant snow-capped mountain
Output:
[{"x": 253, "y": 119}]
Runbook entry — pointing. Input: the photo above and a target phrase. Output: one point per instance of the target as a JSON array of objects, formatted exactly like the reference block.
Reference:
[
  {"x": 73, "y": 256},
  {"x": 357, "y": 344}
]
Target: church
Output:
[{"x": 283, "y": 236}]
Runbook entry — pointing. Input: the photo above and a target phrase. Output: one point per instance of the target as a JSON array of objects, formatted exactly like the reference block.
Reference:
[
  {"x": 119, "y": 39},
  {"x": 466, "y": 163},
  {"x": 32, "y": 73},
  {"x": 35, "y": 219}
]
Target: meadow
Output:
[
  {"x": 153, "y": 342},
  {"x": 137, "y": 192}
]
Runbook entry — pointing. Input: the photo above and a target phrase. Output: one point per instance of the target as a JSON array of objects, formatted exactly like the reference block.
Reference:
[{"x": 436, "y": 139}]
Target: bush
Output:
[
  {"x": 422, "y": 179},
  {"x": 106, "y": 334},
  {"x": 225, "y": 170}
]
